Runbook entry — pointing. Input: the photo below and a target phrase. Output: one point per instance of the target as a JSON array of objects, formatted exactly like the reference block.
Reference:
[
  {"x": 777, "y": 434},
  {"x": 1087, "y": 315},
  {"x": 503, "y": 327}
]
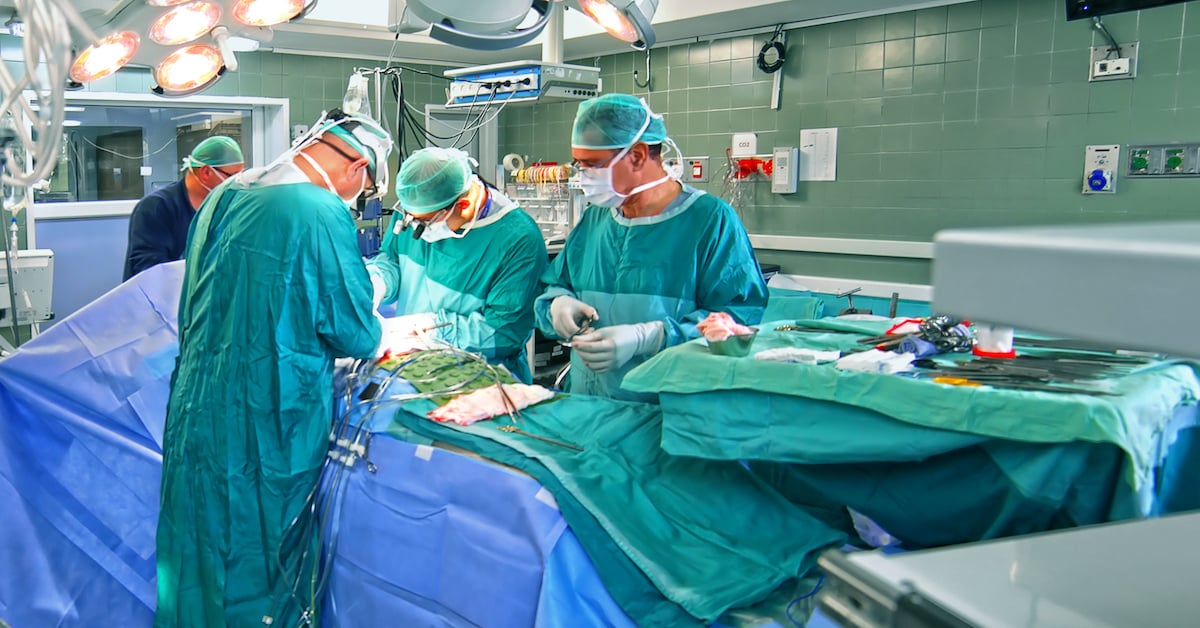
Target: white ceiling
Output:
[{"x": 357, "y": 28}]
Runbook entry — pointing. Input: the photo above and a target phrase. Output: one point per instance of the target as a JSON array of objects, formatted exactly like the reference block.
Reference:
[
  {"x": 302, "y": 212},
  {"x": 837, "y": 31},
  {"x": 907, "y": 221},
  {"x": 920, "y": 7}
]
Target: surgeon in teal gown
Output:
[
  {"x": 650, "y": 257},
  {"x": 274, "y": 290},
  {"x": 464, "y": 252}
]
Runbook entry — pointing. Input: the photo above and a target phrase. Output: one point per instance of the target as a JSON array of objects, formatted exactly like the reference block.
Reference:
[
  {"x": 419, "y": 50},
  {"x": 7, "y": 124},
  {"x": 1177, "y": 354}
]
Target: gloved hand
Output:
[
  {"x": 609, "y": 348},
  {"x": 568, "y": 314},
  {"x": 378, "y": 290}
]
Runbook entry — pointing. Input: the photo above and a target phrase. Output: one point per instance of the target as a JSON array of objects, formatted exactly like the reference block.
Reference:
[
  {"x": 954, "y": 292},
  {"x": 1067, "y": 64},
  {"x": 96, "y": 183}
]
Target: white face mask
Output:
[
  {"x": 440, "y": 230},
  {"x": 208, "y": 189},
  {"x": 329, "y": 183}
]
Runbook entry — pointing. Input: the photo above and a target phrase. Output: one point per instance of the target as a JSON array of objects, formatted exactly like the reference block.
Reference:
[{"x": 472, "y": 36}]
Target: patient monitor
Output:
[{"x": 33, "y": 275}]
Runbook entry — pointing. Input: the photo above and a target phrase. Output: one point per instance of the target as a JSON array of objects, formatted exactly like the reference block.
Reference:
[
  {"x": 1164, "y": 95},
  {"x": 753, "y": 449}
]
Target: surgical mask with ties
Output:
[
  {"x": 597, "y": 183},
  {"x": 329, "y": 183},
  {"x": 440, "y": 230}
]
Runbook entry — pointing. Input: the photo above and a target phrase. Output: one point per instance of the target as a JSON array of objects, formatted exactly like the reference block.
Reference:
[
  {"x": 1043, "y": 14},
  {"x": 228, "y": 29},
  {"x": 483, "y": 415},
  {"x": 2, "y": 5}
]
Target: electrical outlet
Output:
[
  {"x": 1111, "y": 64},
  {"x": 1111, "y": 67},
  {"x": 1100, "y": 169}
]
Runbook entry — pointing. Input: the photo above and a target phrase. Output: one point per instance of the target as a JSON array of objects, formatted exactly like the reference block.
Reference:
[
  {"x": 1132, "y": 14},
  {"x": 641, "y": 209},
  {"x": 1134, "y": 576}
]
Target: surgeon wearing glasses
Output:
[
  {"x": 158, "y": 226},
  {"x": 274, "y": 290},
  {"x": 650, "y": 257},
  {"x": 462, "y": 250}
]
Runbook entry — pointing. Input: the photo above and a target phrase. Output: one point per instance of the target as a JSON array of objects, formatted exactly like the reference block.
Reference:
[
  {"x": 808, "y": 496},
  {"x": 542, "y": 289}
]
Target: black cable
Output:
[
  {"x": 1112, "y": 42},
  {"x": 772, "y": 44}
]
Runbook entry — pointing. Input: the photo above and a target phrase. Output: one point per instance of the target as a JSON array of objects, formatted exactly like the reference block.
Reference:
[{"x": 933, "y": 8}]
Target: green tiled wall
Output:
[{"x": 969, "y": 115}]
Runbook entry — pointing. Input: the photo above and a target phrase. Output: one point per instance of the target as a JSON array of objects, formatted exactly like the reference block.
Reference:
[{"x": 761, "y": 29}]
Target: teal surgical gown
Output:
[
  {"x": 274, "y": 290},
  {"x": 483, "y": 284},
  {"x": 678, "y": 266}
]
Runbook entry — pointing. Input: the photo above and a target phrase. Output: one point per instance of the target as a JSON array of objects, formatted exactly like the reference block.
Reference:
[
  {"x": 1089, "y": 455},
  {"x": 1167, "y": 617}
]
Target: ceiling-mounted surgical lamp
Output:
[
  {"x": 627, "y": 20},
  {"x": 494, "y": 25},
  {"x": 188, "y": 43}
]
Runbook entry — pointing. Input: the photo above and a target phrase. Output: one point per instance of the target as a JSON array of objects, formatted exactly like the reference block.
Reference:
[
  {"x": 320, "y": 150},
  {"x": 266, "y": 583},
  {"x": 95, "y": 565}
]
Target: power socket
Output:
[
  {"x": 1111, "y": 67},
  {"x": 1113, "y": 64}
]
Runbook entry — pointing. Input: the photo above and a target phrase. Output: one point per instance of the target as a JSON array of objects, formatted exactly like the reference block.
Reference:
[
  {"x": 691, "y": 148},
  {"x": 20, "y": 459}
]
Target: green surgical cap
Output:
[
  {"x": 367, "y": 141},
  {"x": 433, "y": 178},
  {"x": 613, "y": 121},
  {"x": 215, "y": 151}
]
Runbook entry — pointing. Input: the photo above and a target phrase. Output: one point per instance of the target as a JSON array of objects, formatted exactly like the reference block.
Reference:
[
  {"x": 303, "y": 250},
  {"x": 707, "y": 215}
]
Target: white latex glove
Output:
[
  {"x": 609, "y": 348},
  {"x": 568, "y": 314},
  {"x": 378, "y": 290}
]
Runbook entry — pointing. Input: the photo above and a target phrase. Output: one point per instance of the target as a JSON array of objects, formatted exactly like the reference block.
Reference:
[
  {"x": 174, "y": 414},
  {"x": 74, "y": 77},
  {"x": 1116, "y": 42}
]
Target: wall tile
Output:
[
  {"x": 998, "y": 41},
  {"x": 1033, "y": 37},
  {"x": 929, "y": 49},
  {"x": 899, "y": 25},
  {"x": 972, "y": 114},
  {"x": 929, "y": 78},
  {"x": 930, "y": 21},
  {"x": 963, "y": 17},
  {"x": 869, "y": 57},
  {"x": 961, "y": 46},
  {"x": 870, "y": 29},
  {"x": 898, "y": 80},
  {"x": 1032, "y": 69},
  {"x": 898, "y": 53},
  {"x": 1160, "y": 58}
]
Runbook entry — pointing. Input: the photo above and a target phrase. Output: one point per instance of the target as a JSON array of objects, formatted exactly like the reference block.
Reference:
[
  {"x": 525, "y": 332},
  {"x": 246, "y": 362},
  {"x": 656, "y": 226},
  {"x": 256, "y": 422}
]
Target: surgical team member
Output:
[
  {"x": 650, "y": 257},
  {"x": 158, "y": 226},
  {"x": 274, "y": 290},
  {"x": 472, "y": 257}
]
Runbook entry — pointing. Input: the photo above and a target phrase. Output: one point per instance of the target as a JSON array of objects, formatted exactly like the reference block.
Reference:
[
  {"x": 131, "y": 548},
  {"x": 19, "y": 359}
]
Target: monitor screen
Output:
[{"x": 1079, "y": 9}]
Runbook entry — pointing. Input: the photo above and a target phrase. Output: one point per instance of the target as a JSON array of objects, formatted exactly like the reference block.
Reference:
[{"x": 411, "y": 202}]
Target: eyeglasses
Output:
[
  {"x": 371, "y": 188},
  {"x": 576, "y": 165},
  {"x": 227, "y": 174},
  {"x": 419, "y": 225}
]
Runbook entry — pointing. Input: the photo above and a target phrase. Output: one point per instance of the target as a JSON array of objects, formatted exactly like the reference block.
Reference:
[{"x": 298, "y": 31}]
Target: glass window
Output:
[{"x": 124, "y": 152}]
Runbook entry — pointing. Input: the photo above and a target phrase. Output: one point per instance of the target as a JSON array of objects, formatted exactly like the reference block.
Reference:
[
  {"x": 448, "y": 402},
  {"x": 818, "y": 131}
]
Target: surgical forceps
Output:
[{"x": 583, "y": 329}]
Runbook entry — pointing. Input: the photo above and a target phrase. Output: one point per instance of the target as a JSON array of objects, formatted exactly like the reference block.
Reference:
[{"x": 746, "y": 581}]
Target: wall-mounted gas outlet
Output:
[
  {"x": 1164, "y": 160},
  {"x": 1108, "y": 63},
  {"x": 692, "y": 170},
  {"x": 1100, "y": 169}
]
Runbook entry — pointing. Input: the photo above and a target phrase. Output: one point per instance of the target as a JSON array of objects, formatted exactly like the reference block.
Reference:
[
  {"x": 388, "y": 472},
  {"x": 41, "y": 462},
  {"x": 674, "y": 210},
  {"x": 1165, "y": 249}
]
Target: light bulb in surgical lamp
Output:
[
  {"x": 188, "y": 69},
  {"x": 166, "y": 3},
  {"x": 105, "y": 57},
  {"x": 266, "y": 12},
  {"x": 610, "y": 19},
  {"x": 185, "y": 23}
]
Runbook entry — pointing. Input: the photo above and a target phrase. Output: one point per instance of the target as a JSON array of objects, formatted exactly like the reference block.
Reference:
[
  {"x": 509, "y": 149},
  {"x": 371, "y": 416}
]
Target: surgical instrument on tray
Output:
[{"x": 512, "y": 429}]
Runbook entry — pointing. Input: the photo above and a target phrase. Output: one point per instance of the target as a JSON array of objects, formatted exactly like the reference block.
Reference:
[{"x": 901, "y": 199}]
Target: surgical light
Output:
[
  {"x": 105, "y": 57},
  {"x": 266, "y": 12},
  {"x": 188, "y": 70},
  {"x": 627, "y": 20},
  {"x": 494, "y": 25},
  {"x": 166, "y": 3},
  {"x": 185, "y": 23}
]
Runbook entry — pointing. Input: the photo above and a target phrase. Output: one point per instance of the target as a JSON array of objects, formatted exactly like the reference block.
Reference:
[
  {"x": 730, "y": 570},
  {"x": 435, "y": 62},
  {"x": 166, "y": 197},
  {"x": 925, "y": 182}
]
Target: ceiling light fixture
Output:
[
  {"x": 105, "y": 57},
  {"x": 185, "y": 23},
  {"x": 188, "y": 70},
  {"x": 627, "y": 20},
  {"x": 494, "y": 25},
  {"x": 266, "y": 12}
]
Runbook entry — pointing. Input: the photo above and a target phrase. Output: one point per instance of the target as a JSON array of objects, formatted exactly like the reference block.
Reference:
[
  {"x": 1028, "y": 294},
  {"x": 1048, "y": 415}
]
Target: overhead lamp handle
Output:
[{"x": 220, "y": 34}]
